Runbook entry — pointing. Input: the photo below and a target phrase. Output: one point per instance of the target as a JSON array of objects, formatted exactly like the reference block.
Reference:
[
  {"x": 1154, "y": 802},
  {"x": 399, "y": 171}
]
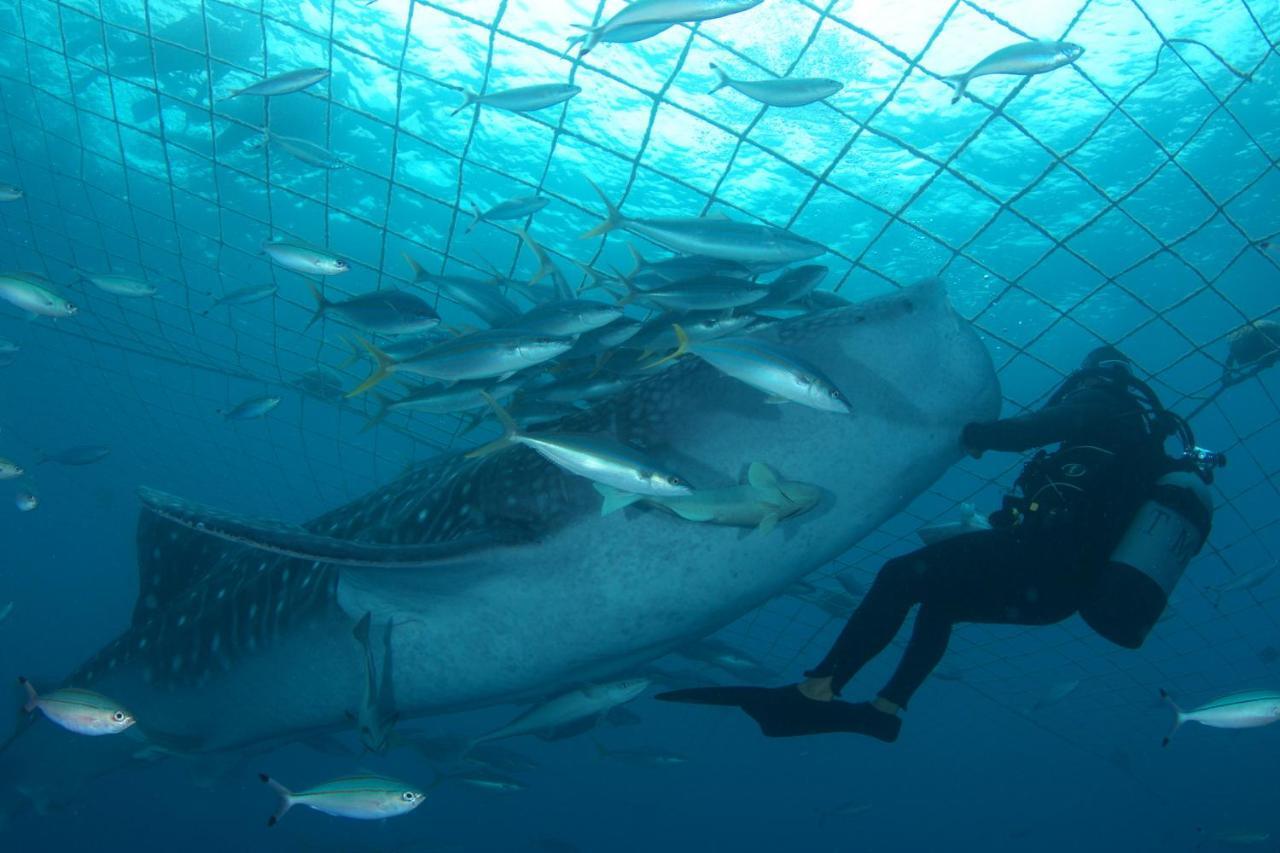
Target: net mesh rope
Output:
[{"x": 116, "y": 104}]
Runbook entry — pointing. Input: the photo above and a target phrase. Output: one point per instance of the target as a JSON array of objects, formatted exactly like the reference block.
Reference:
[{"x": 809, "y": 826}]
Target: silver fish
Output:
[
  {"x": 301, "y": 149},
  {"x": 442, "y": 399},
  {"x": 744, "y": 242},
  {"x": 303, "y": 258},
  {"x": 631, "y": 22},
  {"x": 79, "y": 711},
  {"x": 794, "y": 285},
  {"x": 640, "y": 757},
  {"x": 647, "y": 274},
  {"x": 249, "y": 409},
  {"x": 10, "y": 470},
  {"x": 476, "y": 295},
  {"x": 8, "y": 192},
  {"x": 759, "y": 503},
  {"x": 622, "y": 35},
  {"x": 122, "y": 285},
  {"x": 1025, "y": 59},
  {"x": 86, "y": 454},
  {"x": 710, "y": 293},
  {"x": 769, "y": 368},
  {"x": 32, "y": 294},
  {"x": 283, "y": 84},
  {"x": 783, "y": 92},
  {"x": 360, "y": 797},
  {"x": 597, "y": 456},
  {"x": 568, "y": 707},
  {"x": 25, "y": 501},
  {"x": 1249, "y": 580},
  {"x": 522, "y": 99},
  {"x": 516, "y": 208},
  {"x": 377, "y": 716},
  {"x": 567, "y": 317},
  {"x": 243, "y": 296},
  {"x": 581, "y": 389},
  {"x": 1247, "y": 710},
  {"x": 385, "y": 312},
  {"x": 481, "y": 355},
  {"x": 491, "y": 782}
]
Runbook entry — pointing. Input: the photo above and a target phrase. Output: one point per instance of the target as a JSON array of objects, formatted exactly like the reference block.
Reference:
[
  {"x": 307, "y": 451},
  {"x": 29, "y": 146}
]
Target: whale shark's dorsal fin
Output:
[{"x": 291, "y": 541}]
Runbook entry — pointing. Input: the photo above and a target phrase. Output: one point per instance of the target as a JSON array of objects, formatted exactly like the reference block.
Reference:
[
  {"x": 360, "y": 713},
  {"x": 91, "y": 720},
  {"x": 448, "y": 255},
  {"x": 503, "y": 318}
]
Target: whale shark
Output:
[{"x": 503, "y": 579}]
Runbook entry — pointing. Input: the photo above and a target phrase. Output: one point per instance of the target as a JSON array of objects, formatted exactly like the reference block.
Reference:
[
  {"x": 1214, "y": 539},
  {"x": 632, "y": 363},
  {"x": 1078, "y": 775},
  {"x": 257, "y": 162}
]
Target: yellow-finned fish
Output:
[{"x": 79, "y": 711}]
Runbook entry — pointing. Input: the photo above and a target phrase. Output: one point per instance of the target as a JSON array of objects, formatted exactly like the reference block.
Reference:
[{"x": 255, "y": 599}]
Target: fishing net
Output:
[{"x": 1062, "y": 210}]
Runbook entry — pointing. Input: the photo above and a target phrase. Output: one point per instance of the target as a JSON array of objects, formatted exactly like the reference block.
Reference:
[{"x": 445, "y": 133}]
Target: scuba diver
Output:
[{"x": 1104, "y": 525}]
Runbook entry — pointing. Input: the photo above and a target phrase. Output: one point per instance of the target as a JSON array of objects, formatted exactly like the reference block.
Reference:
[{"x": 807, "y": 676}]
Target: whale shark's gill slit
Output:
[{"x": 289, "y": 541}]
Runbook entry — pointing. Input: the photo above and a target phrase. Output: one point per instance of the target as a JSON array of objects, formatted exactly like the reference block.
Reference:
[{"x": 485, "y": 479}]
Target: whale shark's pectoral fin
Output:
[{"x": 292, "y": 541}]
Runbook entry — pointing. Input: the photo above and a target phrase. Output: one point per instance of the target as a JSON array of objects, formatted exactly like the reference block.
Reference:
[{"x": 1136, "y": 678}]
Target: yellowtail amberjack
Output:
[
  {"x": 359, "y": 797},
  {"x": 1247, "y": 710},
  {"x": 79, "y": 711}
]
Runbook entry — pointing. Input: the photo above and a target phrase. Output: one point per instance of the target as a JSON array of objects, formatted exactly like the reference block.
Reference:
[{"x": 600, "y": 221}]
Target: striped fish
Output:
[
  {"x": 359, "y": 797},
  {"x": 79, "y": 711},
  {"x": 1247, "y": 710}
]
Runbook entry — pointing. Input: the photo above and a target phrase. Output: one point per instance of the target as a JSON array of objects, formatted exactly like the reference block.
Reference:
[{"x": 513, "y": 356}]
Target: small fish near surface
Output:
[
  {"x": 243, "y": 296},
  {"x": 783, "y": 92},
  {"x": 646, "y": 18},
  {"x": 759, "y": 503},
  {"x": 34, "y": 294},
  {"x": 303, "y": 258},
  {"x": 250, "y": 409},
  {"x": 122, "y": 285},
  {"x": 596, "y": 456},
  {"x": 724, "y": 239},
  {"x": 282, "y": 84},
  {"x": 766, "y": 367},
  {"x": 359, "y": 797},
  {"x": 523, "y": 99},
  {"x": 515, "y": 208},
  {"x": 85, "y": 454},
  {"x": 79, "y": 711},
  {"x": 384, "y": 312},
  {"x": 1247, "y": 710},
  {"x": 568, "y": 707},
  {"x": 1023, "y": 60}
]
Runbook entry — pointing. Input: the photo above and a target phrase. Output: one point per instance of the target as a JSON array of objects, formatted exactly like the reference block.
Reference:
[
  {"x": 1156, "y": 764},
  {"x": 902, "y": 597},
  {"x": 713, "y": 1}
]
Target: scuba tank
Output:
[{"x": 1133, "y": 588}]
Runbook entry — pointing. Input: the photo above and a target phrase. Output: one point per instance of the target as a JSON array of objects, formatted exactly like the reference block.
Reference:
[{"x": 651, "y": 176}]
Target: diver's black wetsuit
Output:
[{"x": 1034, "y": 567}]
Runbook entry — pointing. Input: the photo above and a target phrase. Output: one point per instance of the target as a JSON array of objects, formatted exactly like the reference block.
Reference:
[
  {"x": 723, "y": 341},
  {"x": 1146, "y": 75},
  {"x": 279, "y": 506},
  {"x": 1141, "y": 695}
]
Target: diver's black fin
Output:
[{"x": 786, "y": 712}]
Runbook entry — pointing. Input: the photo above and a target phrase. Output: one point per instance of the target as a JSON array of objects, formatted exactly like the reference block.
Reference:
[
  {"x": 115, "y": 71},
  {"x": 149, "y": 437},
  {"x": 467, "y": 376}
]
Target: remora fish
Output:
[
  {"x": 300, "y": 257},
  {"x": 566, "y": 708},
  {"x": 243, "y": 296},
  {"x": 8, "y": 192},
  {"x": 32, "y": 294},
  {"x": 283, "y": 84},
  {"x": 522, "y": 99},
  {"x": 744, "y": 242},
  {"x": 360, "y": 797},
  {"x": 516, "y": 208},
  {"x": 122, "y": 285},
  {"x": 783, "y": 92},
  {"x": 759, "y": 503},
  {"x": 597, "y": 456},
  {"x": 1247, "y": 710},
  {"x": 377, "y": 716},
  {"x": 1025, "y": 59},
  {"x": 79, "y": 711},
  {"x": 249, "y": 409},
  {"x": 241, "y": 635},
  {"x": 781, "y": 375},
  {"x": 645, "y": 18},
  {"x": 385, "y": 312}
]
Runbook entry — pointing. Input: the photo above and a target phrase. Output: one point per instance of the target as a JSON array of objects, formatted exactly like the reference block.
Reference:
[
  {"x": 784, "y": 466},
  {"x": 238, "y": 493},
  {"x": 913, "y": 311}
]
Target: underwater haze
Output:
[{"x": 319, "y": 250}]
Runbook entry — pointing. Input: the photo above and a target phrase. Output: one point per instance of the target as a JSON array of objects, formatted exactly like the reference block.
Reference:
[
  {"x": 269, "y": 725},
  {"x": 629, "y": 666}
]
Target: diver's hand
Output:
[{"x": 967, "y": 443}]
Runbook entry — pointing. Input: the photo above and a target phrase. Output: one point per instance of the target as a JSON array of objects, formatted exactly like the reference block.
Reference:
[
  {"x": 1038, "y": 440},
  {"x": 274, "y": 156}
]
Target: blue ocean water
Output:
[{"x": 1127, "y": 198}]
